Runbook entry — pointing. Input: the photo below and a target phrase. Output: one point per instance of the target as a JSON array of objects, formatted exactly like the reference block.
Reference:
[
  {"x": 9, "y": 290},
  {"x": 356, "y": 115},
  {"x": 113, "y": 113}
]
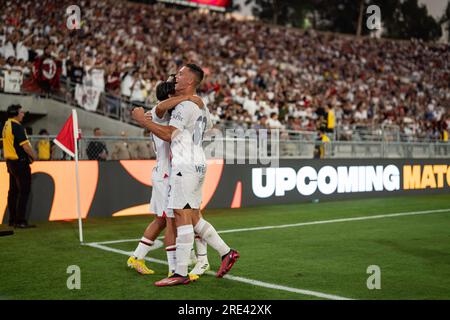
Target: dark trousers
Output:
[{"x": 19, "y": 190}]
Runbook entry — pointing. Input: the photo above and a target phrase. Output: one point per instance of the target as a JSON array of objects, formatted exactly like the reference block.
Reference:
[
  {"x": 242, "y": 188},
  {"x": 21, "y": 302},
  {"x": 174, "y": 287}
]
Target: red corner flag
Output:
[{"x": 66, "y": 137}]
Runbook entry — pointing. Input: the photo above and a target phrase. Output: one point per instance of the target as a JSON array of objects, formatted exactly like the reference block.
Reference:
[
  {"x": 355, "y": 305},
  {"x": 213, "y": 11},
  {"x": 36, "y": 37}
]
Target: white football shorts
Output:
[
  {"x": 159, "y": 200},
  {"x": 185, "y": 190}
]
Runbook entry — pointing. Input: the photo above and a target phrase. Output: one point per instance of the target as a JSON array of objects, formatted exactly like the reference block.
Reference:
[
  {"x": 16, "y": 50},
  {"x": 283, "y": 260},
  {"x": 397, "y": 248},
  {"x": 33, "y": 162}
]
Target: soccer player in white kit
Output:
[
  {"x": 188, "y": 168},
  {"x": 159, "y": 199}
]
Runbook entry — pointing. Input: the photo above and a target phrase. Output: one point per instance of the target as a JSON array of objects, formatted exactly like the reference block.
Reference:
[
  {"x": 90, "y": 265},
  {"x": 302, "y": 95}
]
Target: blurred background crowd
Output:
[{"x": 258, "y": 75}]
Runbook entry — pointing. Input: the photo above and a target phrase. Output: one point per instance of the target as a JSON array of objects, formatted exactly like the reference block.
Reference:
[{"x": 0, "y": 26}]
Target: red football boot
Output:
[
  {"x": 227, "y": 263},
  {"x": 173, "y": 280}
]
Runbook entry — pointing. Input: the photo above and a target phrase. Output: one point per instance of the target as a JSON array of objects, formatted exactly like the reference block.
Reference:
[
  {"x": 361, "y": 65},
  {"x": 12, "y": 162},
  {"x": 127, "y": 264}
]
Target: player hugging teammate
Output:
[{"x": 178, "y": 124}]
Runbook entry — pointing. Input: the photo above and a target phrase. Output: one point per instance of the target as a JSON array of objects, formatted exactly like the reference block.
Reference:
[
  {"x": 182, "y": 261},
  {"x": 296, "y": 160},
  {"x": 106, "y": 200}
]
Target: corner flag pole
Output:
[{"x": 75, "y": 138}]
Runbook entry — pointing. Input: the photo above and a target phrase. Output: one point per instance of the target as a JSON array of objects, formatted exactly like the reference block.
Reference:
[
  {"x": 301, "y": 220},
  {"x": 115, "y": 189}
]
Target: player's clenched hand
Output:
[
  {"x": 148, "y": 116},
  {"x": 138, "y": 114}
]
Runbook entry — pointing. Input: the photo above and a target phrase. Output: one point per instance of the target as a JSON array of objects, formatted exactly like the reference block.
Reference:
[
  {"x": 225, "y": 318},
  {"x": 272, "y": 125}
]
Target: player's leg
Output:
[
  {"x": 158, "y": 205},
  {"x": 181, "y": 200},
  {"x": 184, "y": 240},
  {"x": 170, "y": 244},
  {"x": 152, "y": 231},
  {"x": 208, "y": 233},
  {"x": 184, "y": 243},
  {"x": 202, "y": 263},
  {"x": 193, "y": 257},
  {"x": 136, "y": 261}
]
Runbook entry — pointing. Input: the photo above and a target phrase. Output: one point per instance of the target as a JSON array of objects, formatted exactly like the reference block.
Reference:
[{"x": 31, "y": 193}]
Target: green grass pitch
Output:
[{"x": 412, "y": 251}]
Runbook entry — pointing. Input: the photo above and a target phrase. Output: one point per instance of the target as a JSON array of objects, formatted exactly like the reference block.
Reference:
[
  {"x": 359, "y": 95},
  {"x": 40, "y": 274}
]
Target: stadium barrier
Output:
[
  {"x": 123, "y": 188},
  {"x": 290, "y": 146}
]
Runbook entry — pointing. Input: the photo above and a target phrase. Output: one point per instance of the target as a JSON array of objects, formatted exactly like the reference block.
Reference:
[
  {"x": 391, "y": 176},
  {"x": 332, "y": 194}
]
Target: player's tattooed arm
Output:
[
  {"x": 163, "y": 132},
  {"x": 172, "y": 102}
]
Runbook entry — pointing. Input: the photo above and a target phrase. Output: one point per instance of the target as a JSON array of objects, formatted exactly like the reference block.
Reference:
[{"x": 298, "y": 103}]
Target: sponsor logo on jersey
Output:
[
  {"x": 177, "y": 116},
  {"x": 200, "y": 169}
]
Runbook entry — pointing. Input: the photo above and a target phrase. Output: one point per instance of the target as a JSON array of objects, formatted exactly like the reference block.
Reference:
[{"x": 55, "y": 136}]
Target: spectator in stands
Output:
[
  {"x": 273, "y": 122},
  {"x": 13, "y": 47},
  {"x": 44, "y": 146},
  {"x": 138, "y": 92},
  {"x": 296, "y": 124},
  {"x": 262, "y": 123},
  {"x": 331, "y": 118},
  {"x": 23, "y": 68},
  {"x": 322, "y": 143},
  {"x": 142, "y": 150},
  {"x": 96, "y": 149},
  {"x": 265, "y": 69},
  {"x": 443, "y": 137},
  {"x": 75, "y": 71},
  {"x": 121, "y": 148},
  {"x": 345, "y": 132},
  {"x": 360, "y": 115},
  {"x": 215, "y": 119},
  {"x": 112, "y": 79},
  {"x": 10, "y": 63},
  {"x": 126, "y": 84}
]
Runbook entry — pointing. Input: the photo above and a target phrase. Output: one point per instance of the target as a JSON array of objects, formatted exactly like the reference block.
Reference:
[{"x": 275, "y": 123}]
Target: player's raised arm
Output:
[
  {"x": 163, "y": 132},
  {"x": 172, "y": 102}
]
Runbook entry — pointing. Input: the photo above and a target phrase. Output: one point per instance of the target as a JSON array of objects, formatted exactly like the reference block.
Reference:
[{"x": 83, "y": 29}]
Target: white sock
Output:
[
  {"x": 171, "y": 252},
  {"x": 205, "y": 230},
  {"x": 201, "y": 248},
  {"x": 185, "y": 242},
  {"x": 193, "y": 256},
  {"x": 143, "y": 248}
]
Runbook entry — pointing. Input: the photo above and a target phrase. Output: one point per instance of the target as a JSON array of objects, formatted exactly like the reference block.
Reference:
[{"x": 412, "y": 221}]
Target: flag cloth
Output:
[
  {"x": 87, "y": 97},
  {"x": 66, "y": 137},
  {"x": 46, "y": 73}
]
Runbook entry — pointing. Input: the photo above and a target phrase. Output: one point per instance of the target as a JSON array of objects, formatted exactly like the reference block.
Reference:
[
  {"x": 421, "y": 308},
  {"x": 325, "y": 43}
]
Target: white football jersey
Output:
[
  {"x": 161, "y": 147},
  {"x": 187, "y": 143}
]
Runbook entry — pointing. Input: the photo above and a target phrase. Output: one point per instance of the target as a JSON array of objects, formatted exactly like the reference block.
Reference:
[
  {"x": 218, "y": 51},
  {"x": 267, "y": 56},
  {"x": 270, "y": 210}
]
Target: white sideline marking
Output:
[
  {"x": 390, "y": 215},
  {"x": 338, "y": 220},
  {"x": 234, "y": 278}
]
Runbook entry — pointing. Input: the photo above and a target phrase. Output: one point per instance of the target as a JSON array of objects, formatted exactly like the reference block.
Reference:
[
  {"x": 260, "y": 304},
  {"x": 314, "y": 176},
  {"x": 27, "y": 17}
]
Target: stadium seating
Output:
[{"x": 253, "y": 69}]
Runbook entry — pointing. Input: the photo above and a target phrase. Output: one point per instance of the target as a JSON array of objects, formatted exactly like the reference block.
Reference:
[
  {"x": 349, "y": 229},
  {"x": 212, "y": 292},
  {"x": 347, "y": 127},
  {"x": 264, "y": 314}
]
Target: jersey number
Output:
[{"x": 199, "y": 130}]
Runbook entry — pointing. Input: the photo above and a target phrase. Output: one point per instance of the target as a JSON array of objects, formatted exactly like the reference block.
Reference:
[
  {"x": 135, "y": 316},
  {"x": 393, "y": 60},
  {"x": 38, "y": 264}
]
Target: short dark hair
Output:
[
  {"x": 13, "y": 110},
  {"x": 95, "y": 129},
  {"x": 198, "y": 72}
]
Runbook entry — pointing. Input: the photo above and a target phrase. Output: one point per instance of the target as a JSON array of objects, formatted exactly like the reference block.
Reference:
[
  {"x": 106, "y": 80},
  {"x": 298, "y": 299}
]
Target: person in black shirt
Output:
[
  {"x": 96, "y": 150},
  {"x": 19, "y": 155},
  {"x": 75, "y": 72}
]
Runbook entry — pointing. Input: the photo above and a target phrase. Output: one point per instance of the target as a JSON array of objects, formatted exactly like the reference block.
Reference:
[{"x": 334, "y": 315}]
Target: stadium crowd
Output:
[{"x": 257, "y": 75}]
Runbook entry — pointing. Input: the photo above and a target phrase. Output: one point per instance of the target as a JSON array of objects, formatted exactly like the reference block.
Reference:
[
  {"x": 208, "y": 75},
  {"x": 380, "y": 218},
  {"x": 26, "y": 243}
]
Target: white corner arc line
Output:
[
  {"x": 234, "y": 278},
  {"x": 156, "y": 245}
]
